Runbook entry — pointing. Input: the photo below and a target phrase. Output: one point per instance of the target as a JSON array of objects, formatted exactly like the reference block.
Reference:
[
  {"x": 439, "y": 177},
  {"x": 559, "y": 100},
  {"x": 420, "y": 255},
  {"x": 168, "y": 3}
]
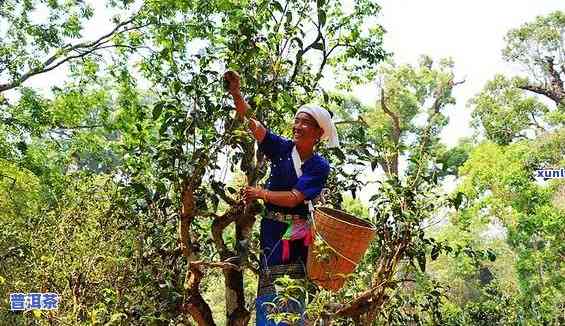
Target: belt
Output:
[{"x": 282, "y": 217}]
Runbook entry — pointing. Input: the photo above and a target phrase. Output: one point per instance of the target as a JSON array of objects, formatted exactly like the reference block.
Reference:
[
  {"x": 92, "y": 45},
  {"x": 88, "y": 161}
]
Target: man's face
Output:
[{"x": 305, "y": 129}]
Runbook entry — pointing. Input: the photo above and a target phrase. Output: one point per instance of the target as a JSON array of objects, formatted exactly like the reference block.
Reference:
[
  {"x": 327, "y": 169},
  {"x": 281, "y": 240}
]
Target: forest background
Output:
[{"x": 120, "y": 161}]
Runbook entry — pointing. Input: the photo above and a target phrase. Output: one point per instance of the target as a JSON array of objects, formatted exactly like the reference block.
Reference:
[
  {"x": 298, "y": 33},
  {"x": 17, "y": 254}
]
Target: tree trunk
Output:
[
  {"x": 194, "y": 303},
  {"x": 237, "y": 314}
]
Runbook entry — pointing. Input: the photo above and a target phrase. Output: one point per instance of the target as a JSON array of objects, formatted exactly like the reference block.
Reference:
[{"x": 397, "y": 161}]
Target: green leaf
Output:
[
  {"x": 435, "y": 252},
  {"x": 157, "y": 109},
  {"x": 491, "y": 255},
  {"x": 374, "y": 164},
  {"x": 36, "y": 314},
  {"x": 22, "y": 147},
  {"x": 322, "y": 17},
  {"x": 318, "y": 46},
  {"x": 326, "y": 96},
  {"x": 457, "y": 200},
  {"x": 215, "y": 201},
  {"x": 288, "y": 17},
  {"x": 277, "y": 6},
  {"x": 139, "y": 188},
  {"x": 175, "y": 86},
  {"x": 421, "y": 262},
  {"x": 339, "y": 153},
  {"x": 166, "y": 124},
  {"x": 299, "y": 42}
]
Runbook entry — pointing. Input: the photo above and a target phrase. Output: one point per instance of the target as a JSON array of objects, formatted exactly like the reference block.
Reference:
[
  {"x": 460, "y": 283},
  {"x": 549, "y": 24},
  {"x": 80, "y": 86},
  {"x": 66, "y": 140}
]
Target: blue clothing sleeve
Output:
[
  {"x": 272, "y": 145},
  {"x": 313, "y": 180}
]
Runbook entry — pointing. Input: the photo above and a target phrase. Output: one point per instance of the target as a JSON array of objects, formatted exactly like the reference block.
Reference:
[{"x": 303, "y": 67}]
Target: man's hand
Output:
[
  {"x": 233, "y": 87},
  {"x": 234, "y": 82},
  {"x": 280, "y": 198},
  {"x": 252, "y": 193}
]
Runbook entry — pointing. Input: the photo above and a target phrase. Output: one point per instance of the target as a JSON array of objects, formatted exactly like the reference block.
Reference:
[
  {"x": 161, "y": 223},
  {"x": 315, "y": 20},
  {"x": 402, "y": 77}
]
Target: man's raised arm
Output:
[{"x": 241, "y": 106}]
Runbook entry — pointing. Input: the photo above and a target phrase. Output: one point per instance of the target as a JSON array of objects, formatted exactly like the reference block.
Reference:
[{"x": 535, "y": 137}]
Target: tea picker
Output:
[{"x": 297, "y": 174}]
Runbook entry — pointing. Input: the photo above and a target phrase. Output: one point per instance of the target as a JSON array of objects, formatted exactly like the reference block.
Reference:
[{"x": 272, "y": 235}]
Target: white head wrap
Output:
[{"x": 324, "y": 120}]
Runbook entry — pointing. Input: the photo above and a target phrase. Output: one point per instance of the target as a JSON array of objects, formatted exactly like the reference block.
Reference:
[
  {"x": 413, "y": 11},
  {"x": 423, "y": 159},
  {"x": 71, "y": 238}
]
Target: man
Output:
[{"x": 297, "y": 176}]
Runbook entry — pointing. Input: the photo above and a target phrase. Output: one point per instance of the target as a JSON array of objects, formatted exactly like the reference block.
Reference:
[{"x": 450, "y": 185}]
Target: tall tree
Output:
[
  {"x": 383, "y": 138},
  {"x": 269, "y": 43},
  {"x": 32, "y": 46},
  {"x": 525, "y": 106},
  {"x": 163, "y": 143},
  {"x": 539, "y": 47},
  {"x": 524, "y": 118}
]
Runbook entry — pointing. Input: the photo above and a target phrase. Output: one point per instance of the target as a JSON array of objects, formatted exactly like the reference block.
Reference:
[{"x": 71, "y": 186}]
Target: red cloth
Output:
[{"x": 298, "y": 229}]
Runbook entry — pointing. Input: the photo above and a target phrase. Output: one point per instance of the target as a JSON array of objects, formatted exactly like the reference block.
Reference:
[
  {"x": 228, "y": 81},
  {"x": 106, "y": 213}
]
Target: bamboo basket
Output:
[{"x": 339, "y": 242}]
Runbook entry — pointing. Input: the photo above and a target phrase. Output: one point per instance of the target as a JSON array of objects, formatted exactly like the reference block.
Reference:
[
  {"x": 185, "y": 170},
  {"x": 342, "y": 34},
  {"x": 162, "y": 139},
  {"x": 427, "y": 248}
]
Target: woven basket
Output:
[{"x": 340, "y": 241}]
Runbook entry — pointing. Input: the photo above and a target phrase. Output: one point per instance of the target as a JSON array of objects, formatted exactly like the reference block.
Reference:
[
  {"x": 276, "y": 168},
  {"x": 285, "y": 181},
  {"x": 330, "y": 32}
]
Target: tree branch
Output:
[
  {"x": 194, "y": 303},
  {"x": 220, "y": 223},
  {"x": 392, "y": 166},
  {"x": 220, "y": 192},
  {"x": 51, "y": 62},
  {"x": 556, "y": 82},
  {"x": 358, "y": 121},
  {"x": 535, "y": 123},
  {"x": 186, "y": 216},
  {"x": 438, "y": 102},
  {"x": 80, "y": 127},
  {"x": 301, "y": 53},
  {"x": 393, "y": 116},
  {"x": 219, "y": 264},
  {"x": 557, "y": 98},
  {"x": 335, "y": 47}
]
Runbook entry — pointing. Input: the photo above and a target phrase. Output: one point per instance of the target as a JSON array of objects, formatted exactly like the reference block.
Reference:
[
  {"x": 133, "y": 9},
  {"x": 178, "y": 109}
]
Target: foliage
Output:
[
  {"x": 114, "y": 189},
  {"x": 500, "y": 185},
  {"x": 538, "y": 47},
  {"x": 158, "y": 147},
  {"x": 522, "y": 117},
  {"x": 506, "y": 113}
]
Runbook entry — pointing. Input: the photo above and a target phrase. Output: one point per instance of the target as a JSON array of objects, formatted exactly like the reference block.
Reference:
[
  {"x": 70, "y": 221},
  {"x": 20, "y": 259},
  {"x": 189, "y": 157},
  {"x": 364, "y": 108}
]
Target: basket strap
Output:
[
  {"x": 297, "y": 162},
  {"x": 331, "y": 247}
]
